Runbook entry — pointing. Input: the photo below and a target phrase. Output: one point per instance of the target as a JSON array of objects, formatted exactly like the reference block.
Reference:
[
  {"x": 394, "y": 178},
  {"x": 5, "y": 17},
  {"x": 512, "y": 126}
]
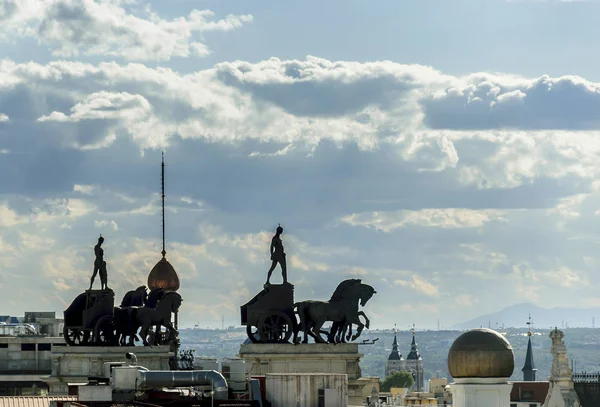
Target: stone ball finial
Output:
[{"x": 481, "y": 354}]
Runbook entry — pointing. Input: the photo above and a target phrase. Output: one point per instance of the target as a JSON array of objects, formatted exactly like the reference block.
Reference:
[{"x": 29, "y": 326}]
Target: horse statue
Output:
[
  {"x": 135, "y": 298},
  {"x": 124, "y": 321},
  {"x": 341, "y": 309},
  {"x": 341, "y": 332},
  {"x": 146, "y": 317}
]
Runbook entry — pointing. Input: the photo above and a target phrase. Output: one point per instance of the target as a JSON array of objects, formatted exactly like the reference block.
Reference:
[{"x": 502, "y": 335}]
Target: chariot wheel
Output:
[
  {"x": 275, "y": 327},
  {"x": 76, "y": 336},
  {"x": 104, "y": 331},
  {"x": 253, "y": 334}
]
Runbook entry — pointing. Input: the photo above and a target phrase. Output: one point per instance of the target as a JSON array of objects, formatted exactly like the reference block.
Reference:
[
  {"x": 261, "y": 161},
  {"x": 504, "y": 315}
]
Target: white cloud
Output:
[
  {"x": 306, "y": 143},
  {"x": 110, "y": 28},
  {"x": 420, "y": 285},
  {"x": 446, "y": 218},
  {"x": 3, "y": 118},
  {"x": 106, "y": 224},
  {"x": 464, "y": 300}
]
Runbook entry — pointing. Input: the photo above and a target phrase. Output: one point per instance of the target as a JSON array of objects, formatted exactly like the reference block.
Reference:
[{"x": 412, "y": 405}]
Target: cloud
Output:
[
  {"x": 420, "y": 285},
  {"x": 489, "y": 102},
  {"x": 112, "y": 28},
  {"x": 464, "y": 300},
  {"x": 446, "y": 218},
  {"x": 3, "y": 118},
  {"x": 106, "y": 224},
  {"x": 252, "y": 144}
]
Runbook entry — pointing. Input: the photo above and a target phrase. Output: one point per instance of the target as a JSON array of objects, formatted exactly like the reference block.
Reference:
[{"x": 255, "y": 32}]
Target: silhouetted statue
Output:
[
  {"x": 100, "y": 266},
  {"x": 277, "y": 255},
  {"x": 341, "y": 309}
]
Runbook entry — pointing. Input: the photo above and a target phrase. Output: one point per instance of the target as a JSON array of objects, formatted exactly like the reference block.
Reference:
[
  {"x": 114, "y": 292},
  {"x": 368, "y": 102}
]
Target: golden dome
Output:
[
  {"x": 481, "y": 353},
  {"x": 163, "y": 275}
]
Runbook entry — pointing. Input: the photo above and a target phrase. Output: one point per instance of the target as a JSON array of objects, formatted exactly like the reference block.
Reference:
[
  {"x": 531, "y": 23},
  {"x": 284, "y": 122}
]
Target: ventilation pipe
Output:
[
  {"x": 152, "y": 379},
  {"x": 132, "y": 357}
]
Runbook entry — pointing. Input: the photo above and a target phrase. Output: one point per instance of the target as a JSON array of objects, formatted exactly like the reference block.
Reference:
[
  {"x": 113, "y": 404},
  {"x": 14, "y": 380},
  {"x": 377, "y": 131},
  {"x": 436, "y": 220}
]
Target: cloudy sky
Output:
[{"x": 446, "y": 152}]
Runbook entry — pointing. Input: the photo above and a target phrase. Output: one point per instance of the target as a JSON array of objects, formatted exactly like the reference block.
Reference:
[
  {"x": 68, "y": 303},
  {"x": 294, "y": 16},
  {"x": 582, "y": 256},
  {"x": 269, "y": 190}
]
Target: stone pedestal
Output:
[
  {"x": 481, "y": 394},
  {"x": 74, "y": 364},
  {"x": 343, "y": 358}
]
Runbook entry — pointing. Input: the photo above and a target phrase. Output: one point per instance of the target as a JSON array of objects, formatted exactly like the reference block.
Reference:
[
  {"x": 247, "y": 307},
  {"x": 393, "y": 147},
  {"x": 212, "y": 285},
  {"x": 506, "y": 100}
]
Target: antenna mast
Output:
[{"x": 162, "y": 179}]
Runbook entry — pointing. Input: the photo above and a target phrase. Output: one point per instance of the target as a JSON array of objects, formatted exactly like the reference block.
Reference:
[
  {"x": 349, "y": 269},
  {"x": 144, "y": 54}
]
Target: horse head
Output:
[
  {"x": 174, "y": 300},
  {"x": 154, "y": 297},
  {"x": 142, "y": 292},
  {"x": 359, "y": 291},
  {"x": 367, "y": 293}
]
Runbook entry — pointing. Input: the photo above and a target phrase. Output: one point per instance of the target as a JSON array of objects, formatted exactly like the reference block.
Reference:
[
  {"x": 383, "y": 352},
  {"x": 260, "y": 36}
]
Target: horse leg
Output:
[
  {"x": 342, "y": 333},
  {"x": 144, "y": 333},
  {"x": 367, "y": 321},
  {"x": 296, "y": 330},
  {"x": 301, "y": 309},
  {"x": 359, "y": 329},
  {"x": 317, "y": 330},
  {"x": 333, "y": 332},
  {"x": 349, "y": 335}
]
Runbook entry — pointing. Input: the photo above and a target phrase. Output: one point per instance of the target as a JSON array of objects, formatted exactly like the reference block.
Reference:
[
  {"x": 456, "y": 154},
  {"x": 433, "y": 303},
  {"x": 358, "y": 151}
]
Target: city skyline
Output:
[{"x": 445, "y": 155}]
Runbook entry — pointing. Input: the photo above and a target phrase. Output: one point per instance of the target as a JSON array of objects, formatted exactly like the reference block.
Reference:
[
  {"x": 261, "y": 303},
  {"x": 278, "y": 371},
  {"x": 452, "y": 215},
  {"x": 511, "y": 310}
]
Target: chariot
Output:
[
  {"x": 90, "y": 319},
  {"x": 269, "y": 316}
]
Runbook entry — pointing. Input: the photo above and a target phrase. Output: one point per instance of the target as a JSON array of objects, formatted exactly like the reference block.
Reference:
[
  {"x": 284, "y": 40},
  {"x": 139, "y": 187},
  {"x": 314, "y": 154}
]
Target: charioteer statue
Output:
[
  {"x": 100, "y": 266},
  {"x": 273, "y": 316},
  {"x": 277, "y": 256}
]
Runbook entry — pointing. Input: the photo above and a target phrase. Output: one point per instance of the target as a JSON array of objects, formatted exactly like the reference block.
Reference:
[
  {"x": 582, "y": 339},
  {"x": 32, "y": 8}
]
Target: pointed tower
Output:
[
  {"x": 395, "y": 362},
  {"x": 163, "y": 275},
  {"x": 414, "y": 362},
  {"x": 562, "y": 388},
  {"x": 529, "y": 367}
]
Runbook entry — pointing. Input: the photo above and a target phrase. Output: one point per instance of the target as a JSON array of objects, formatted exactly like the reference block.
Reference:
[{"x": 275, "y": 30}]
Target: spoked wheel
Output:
[
  {"x": 75, "y": 336},
  {"x": 104, "y": 332},
  {"x": 252, "y": 332},
  {"x": 275, "y": 327}
]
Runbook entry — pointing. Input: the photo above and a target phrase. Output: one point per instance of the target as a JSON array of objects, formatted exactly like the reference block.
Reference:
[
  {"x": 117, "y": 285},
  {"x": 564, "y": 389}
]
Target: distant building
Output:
[
  {"x": 529, "y": 369},
  {"x": 395, "y": 362},
  {"x": 528, "y": 394},
  {"x": 413, "y": 363},
  {"x": 25, "y": 352}
]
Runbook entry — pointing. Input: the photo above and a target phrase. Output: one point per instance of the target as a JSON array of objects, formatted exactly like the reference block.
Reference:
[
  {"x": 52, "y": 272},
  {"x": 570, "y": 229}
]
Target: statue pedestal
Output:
[
  {"x": 74, "y": 364},
  {"x": 343, "y": 358}
]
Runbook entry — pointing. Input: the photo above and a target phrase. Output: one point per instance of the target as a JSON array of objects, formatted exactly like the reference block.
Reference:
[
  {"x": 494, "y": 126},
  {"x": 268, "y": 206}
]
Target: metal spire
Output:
[
  {"x": 162, "y": 196},
  {"x": 529, "y": 369}
]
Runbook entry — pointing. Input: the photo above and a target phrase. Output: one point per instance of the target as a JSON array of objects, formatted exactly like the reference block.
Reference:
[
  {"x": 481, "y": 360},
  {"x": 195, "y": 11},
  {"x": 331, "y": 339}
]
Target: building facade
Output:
[{"x": 413, "y": 363}]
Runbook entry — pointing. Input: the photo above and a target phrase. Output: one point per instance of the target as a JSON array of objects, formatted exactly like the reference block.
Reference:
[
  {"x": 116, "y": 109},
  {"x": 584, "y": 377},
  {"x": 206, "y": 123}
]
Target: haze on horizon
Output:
[{"x": 446, "y": 153}]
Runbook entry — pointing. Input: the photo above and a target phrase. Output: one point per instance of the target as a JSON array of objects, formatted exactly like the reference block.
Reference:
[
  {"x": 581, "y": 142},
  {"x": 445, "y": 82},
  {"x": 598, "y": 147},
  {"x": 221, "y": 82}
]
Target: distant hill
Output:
[{"x": 516, "y": 316}]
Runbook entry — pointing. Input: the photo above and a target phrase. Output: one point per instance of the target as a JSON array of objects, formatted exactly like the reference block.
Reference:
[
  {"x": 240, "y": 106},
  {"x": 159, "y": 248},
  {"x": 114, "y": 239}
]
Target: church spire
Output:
[
  {"x": 529, "y": 367},
  {"x": 414, "y": 350},
  {"x": 395, "y": 355}
]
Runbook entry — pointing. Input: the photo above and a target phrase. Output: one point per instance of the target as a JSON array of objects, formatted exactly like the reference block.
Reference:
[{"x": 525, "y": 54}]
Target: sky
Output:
[{"x": 444, "y": 152}]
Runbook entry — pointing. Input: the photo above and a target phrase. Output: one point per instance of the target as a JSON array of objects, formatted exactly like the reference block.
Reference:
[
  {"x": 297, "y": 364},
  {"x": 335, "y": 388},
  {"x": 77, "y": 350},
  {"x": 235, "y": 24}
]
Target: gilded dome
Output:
[
  {"x": 163, "y": 275},
  {"x": 481, "y": 353}
]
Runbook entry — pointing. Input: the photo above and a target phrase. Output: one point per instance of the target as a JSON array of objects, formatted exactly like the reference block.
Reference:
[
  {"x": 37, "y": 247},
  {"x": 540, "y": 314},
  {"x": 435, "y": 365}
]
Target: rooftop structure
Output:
[{"x": 163, "y": 274}]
